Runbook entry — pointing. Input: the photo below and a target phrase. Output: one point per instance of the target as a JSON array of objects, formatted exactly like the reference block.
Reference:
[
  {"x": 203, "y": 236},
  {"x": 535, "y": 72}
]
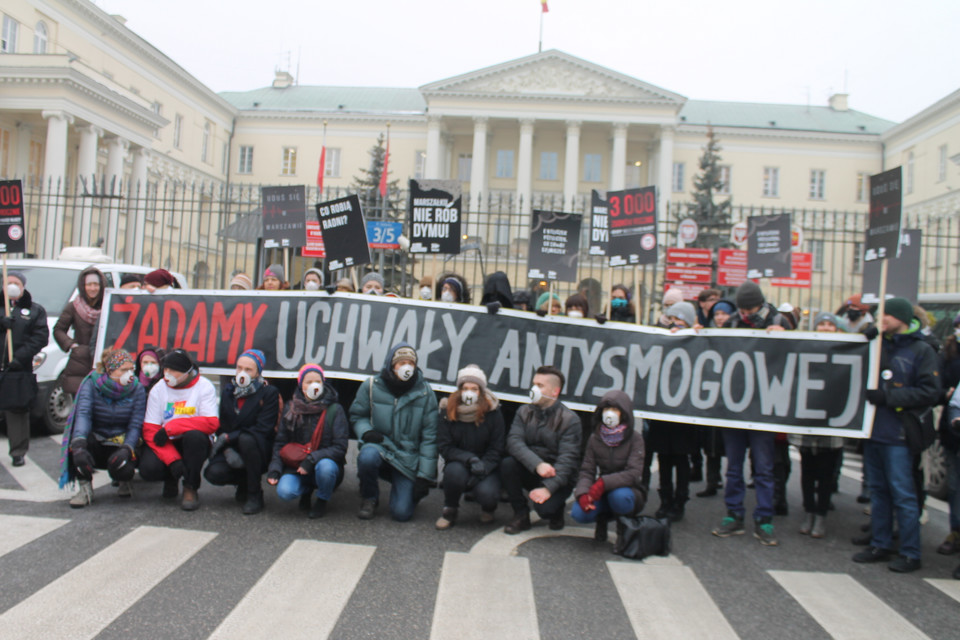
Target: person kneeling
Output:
[
  {"x": 249, "y": 411},
  {"x": 310, "y": 450},
  {"x": 610, "y": 482}
]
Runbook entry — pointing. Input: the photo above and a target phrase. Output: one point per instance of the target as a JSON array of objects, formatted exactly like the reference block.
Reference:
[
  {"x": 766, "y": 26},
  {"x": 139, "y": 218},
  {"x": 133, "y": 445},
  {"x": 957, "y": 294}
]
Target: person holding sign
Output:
[
  {"x": 395, "y": 418},
  {"x": 25, "y": 328},
  {"x": 310, "y": 450}
]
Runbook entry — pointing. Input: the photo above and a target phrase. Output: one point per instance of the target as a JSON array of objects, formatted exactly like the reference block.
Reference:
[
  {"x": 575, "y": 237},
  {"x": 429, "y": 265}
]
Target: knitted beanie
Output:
[
  {"x": 472, "y": 373},
  {"x": 684, "y": 311},
  {"x": 13, "y": 273},
  {"x": 749, "y": 295},
  {"x": 275, "y": 271},
  {"x": 159, "y": 278},
  {"x": 243, "y": 281},
  {"x": 373, "y": 276},
  {"x": 179, "y": 360},
  {"x": 257, "y": 356},
  {"x": 307, "y": 368},
  {"x": 404, "y": 353},
  {"x": 899, "y": 308}
]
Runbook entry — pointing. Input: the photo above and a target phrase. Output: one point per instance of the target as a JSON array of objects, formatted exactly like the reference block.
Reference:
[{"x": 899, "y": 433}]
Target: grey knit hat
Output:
[
  {"x": 749, "y": 295},
  {"x": 684, "y": 311},
  {"x": 275, "y": 271},
  {"x": 373, "y": 276}
]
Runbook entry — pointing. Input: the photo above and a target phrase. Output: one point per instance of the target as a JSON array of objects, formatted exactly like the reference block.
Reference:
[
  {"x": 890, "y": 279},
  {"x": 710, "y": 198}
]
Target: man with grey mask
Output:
[{"x": 543, "y": 449}]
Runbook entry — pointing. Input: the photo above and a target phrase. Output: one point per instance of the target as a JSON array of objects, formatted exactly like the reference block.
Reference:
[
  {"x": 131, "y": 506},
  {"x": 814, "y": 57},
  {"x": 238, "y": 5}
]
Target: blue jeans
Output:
[
  {"x": 890, "y": 470},
  {"x": 619, "y": 502},
  {"x": 953, "y": 488},
  {"x": 370, "y": 468},
  {"x": 761, "y": 450},
  {"x": 327, "y": 474}
]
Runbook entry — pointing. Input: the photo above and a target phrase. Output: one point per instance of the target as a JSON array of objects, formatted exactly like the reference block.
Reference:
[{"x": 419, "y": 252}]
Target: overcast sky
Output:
[{"x": 893, "y": 58}]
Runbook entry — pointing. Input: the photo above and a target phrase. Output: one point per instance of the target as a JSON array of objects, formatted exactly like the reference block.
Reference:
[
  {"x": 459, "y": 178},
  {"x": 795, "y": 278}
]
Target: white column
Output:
[
  {"x": 54, "y": 183},
  {"x": 618, "y": 165},
  {"x": 136, "y": 209},
  {"x": 434, "y": 152},
  {"x": 571, "y": 165},
  {"x": 21, "y": 162},
  {"x": 86, "y": 182},
  {"x": 478, "y": 167},
  {"x": 117, "y": 148},
  {"x": 665, "y": 159},
  {"x": 525, "y": 167}
]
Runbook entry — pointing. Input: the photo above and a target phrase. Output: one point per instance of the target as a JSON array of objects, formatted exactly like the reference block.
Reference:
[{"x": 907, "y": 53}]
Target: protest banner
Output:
[
  {"x": 769, "y": 246},
  {"x": 903, "y": 277},
  {"x": 633, "y": 226},
  {"x": 795, "y": 382},
  {"x": 599, "y": 224},
  {"x": 434, "y": 216},
  {"x": 883, "y": 227},
  {"x": 284, "y": 216},
  {"x": 554, "y": 246},
  {"x": 344, "y": 233}
]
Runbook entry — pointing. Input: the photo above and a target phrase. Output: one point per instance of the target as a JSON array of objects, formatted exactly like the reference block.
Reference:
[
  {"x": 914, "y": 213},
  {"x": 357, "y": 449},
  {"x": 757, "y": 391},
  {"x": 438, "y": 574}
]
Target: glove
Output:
[
  {"x": 332, "y": 289},
  {"x": 374, "y": 437},
  {"x": 877, "y": 397},
  {"x": 421, "y": 488},
  {"x": 585, "y": 502},
  {"x": 161, "y": 438},
  {"x": 119, "y": 459},
  {"x": 493, "y": 307},
  {"x": 871, "y": 332},
  {"x": 6, "y": 322},
  {"x": 306, "y": 465},
  {"x": 477, "y": 467},
  {"x": 541, "y": 312},
  {"x": 14, "y": 365},
  {"x": 82, "y": 459},
  {"x": 177, "y": 469},
  {"x": 596, "y": 490},
  {"x": 219, "y": 444},
  {"x": 273, "y": 475},
  {"x": 600, "y": 318}
]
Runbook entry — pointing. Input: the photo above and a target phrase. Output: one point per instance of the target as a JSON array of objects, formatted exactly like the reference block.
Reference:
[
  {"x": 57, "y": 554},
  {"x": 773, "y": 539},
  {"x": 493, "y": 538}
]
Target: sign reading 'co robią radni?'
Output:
[
  {"x": 13, "y": 238},
  {"x": 633, "y": 226},
  {"x": 284, "y": 216},
  {"x": 344, "y": 233},
  {"x": 434, "y": 216},
  {"x": 554, "y": 246},
  {"x": 795, "y": 382}
]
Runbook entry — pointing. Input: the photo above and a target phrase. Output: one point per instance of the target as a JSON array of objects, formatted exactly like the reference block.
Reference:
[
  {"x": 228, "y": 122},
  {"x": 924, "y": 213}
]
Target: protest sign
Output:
[
  {"x": 344, "y": 233},
  {"x": 314, "y": 246},
  {"x": 903, "y": 275},
  {"x": 633, "y": 226},
  {"x": 434, "y": 216},
  {"x": 883, "y": 228},
  {"x": 284, "y": 216},
  {"x": 554, "y": 246},
  {"x": 599, "y": 224},
  {"x": 769, "y": 246},
  {"x": 794, "y": 382},
  {"x": 384, "y": 234},
  {"x": 13, "y": 237},
  {"x": 731, "y": 267}
]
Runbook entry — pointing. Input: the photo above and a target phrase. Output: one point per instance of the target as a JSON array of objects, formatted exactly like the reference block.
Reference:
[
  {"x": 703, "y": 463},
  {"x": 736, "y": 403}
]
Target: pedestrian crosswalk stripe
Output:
[
  {"x": 664, "y": 601},
  {"x": 301, "y": 595},
  {"x": 845, "y": 608},
  {"x": 100, "y": 589},
  {"x": 484, "y": 597},
  {"x": 37, "y": 485},
  {"x": 949, "y": 587},
  {"x": 21, "y": 530}
]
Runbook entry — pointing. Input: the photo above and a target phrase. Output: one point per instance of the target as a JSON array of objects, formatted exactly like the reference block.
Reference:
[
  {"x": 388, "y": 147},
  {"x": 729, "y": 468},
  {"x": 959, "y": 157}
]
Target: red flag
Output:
[
  {"x": 383, "y": 174},
  {"x": 543, "y": 4},
  {"x": 323, "y": 168}
]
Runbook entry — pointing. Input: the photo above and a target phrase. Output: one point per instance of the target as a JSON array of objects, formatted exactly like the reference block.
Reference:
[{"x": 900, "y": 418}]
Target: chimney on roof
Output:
[
  {"x": 838, "y": 102},
  {"x": 282, "y": 80}
]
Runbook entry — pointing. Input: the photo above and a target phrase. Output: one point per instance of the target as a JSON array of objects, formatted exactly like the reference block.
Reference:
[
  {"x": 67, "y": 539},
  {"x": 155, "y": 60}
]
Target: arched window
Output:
[{"x": 40, "y": 38}]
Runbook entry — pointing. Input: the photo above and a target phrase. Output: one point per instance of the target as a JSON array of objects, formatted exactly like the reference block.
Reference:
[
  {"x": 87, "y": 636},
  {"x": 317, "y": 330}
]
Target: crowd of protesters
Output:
[{"x": 154, "y": 412}]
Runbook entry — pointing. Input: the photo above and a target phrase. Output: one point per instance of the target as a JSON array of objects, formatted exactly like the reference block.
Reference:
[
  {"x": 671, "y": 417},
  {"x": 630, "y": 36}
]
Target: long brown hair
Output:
[{"x": 483, "y": 405}]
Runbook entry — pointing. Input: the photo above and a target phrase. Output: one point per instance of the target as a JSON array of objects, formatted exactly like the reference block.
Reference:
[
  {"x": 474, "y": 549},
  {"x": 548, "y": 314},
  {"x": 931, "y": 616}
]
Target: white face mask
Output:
[
  {"x": 405, "y": 371},
  {"x": 126, "y": 377},
  {"x": 13, "y": 291},
  {"x": 314, "y": 389},
  {"x": 611, "y": 417},
  {"x": 171, "y": 379},
  {"x": 448, "y": 296},
  {"x": 311, "y": 285},
  {"x": 469, "y": 397},
  {"x": 536, "y": 395},
  {"x": 426, "y": 293},
  {"x": 150, "y": 369},
  {"x": 243, "y": 378},
  {"x": 574, "y": 313}
]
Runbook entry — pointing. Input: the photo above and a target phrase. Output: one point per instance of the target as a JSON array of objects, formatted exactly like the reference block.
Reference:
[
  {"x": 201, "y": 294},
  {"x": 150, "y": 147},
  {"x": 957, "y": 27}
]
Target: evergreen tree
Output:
[
  {"x": 367, "y": 186},
  {"x": 712, "y": 217}
]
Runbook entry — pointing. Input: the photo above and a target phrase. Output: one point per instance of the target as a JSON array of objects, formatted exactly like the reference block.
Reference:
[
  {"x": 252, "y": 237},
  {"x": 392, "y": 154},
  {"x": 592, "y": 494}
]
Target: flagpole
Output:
[{"x": 540, "y": 44}]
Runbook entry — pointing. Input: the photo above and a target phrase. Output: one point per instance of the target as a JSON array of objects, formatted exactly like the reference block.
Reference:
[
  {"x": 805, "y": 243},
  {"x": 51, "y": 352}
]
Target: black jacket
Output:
[
  {"x": 497, "y": 289},
  {"x": 553, "y": 436},
  {"x": 771, "y": 317},
  {"x": 29, "y": 329},
  {"x": 299, "y": 429},
  {"x": 460, "y": 441},
  {"x": 258, "y": 416}
]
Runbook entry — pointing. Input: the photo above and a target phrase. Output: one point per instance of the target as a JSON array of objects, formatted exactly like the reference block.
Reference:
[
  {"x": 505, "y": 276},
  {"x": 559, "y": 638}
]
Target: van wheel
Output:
[
  {"x": 57, "y": 410},
  {"x": 935, "y": 470}
]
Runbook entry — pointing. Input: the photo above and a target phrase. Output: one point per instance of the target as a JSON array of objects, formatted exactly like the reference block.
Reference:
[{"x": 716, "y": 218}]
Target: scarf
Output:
[
  {"x": 300, "y": 406},
  {"x": 255, "y": 385},
  {"x": 395, "y": 385},
  {"x": 467, "y": 412},
  {"x": 87, "y": 313},
  {"x": 613, "y": 436}
]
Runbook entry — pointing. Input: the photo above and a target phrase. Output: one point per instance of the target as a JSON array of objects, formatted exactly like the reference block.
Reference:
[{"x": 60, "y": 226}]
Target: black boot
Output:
[
  {"x": 676, "y": 511},
  {"x": 600, "y": 531},
  {"x": 318, "y": 510},
  {"x": 253, "y": 504},
  {"x": 666, "y": 503}
]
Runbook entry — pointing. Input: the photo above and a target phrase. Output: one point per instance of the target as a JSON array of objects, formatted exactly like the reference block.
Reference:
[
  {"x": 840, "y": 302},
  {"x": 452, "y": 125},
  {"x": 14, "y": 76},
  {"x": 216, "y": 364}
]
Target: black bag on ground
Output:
[
  {"x": 17, "y": 390},
  {"x": 642, "y": 536}
]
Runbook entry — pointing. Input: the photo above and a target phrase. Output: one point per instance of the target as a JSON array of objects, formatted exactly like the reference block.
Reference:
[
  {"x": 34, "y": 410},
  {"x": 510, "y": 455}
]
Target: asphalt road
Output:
[{"x": 141, "y": 567}]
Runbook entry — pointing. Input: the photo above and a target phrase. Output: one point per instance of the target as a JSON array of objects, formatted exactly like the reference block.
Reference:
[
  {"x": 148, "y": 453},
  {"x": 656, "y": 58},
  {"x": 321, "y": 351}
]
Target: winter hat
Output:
[
  {"x": 19, "y": 276},
  {"x": 723, "y": 305},
  {"x": 241, "y": 280},
  {"x": 472, "y": 373},
  {"x": 129, "y": 278},
  {"x": 521, "y": 297},
  {"x": 672, "y": 297},
  {"x": 257, "y": 356},
  {"x": 307, "y": 368},
  {"x": 159, "y": 278},
  {"x": 456, "y": 286},
  {"x": 179, "y": 360},
  {"x": 546, "y": 295},
  {"x": 314, "y": 271},
  {"x": 346, "y": 284},
  {"x": 684, "y": 311},
  {"x": 826, "y": 316},
  {"x": 373, "y": 276},
  {"x": 856, "y": 302},
  {"x": 116, "y": 360},
  {"x": 404, "y": 353},
  {"x": 275, "y": 271},
  {"x": 786, "y": 307},
  {"x": 749, "y": 295},
  {"x": 899, "y": 308}
]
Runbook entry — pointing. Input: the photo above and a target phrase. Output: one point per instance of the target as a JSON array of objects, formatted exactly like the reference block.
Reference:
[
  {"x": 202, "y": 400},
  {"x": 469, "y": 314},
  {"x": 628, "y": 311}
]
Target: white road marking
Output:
[{"x": 21, "y": 530}]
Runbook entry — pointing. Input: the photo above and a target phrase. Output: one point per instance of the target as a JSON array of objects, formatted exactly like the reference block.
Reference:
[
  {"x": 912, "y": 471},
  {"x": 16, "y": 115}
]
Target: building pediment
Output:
[{"x": 552, "y": 75}]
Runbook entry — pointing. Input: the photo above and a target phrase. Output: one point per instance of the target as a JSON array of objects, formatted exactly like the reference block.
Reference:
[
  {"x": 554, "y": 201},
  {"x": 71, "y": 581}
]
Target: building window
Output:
[
  {"x": 817, "y": 179},
  {"x": 331, "y": 167},
  {"x": 245, "y": 160},
  {"x": 592, "y": 167},
  {"x": 816, "y": 248},
  {"x": 177, "y": 130},
  {"x": 725, "y": 176},
  {"x": 4, "y": 153},
  {"x": 863, "y": 187},
  {"x": 205, "y": 142},
  {"x": 35, "y": 164},
  {"x": 289, "y": 165},
  {"x": 679, "y": 169},
  {"x": 505, "y": 163},
  {"x": 858, "y": 257},
  {"x": 771, "y": 182},
  {"x": 548, "y": 165},
  {"x": 942, "y": 164},
  {"x": 40, "y": 38},
  {"x": 419, "y": 164},
  {"x": 8, "y": 39},
  {"x": 909, "y": 185},
  {"x": 464, "y": 167}
]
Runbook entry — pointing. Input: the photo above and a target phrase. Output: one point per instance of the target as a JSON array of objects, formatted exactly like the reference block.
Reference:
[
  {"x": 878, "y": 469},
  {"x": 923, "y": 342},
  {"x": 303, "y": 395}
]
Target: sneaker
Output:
[
  {"x": 873, "y": 554},
  {"x": 190, "y": 500},
  {"x": 18, "y": 461},
  {"x": 368, "y": 508},
  {"x": 763, "y": 531},
  {"x": 254, "y": 504},
  {"x": 518, "y": 524},
  {"x": 486, "y": 517},
  {"x": 318, "y": 510},
  {"x": 556, "y": 522},
  {"x": 807, "y": 524},
  {"x": 903, "y": 564},
  {"x": 125, "y": 489},
  {"x": 819, "y": 529},
  {"x": 950, "y": 545},
  {"x": 84, "y": 495},
  {"x": 732, "y": 525},
  {"x": 448, "y": 517}
]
